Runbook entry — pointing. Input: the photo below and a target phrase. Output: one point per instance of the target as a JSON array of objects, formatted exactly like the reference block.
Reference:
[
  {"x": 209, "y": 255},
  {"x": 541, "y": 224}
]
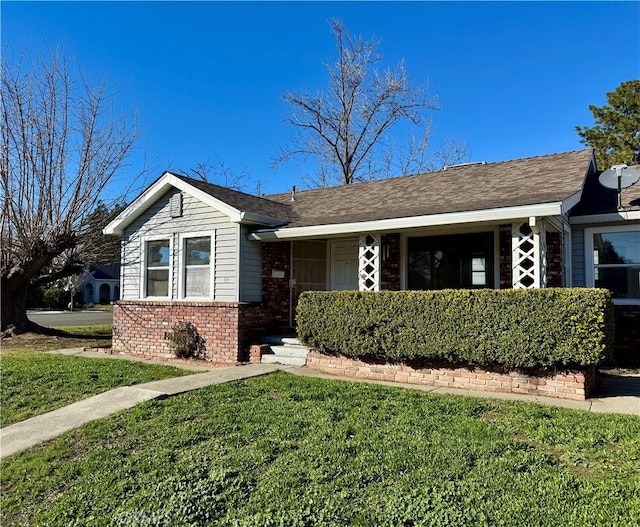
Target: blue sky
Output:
[{"x": 206, "y": 78}]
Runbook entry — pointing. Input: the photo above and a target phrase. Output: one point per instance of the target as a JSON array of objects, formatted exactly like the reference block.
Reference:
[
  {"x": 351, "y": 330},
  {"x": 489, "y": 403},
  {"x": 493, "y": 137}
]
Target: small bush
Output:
[
  {"x": 542, "y": 328},
  {"x": 185, "y": 341}
]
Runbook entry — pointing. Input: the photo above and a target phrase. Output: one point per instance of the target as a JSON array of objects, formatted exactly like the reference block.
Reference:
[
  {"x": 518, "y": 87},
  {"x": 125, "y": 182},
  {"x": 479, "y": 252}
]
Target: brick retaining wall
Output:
[{"x": 576, "y": 385}]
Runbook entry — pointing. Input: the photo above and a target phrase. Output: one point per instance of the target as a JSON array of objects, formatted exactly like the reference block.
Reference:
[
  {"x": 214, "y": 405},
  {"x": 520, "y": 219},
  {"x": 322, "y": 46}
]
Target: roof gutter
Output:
[{"x": 432, "y": 220}]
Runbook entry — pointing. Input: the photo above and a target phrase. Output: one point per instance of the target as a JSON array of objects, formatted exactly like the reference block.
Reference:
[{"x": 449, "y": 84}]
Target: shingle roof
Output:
[
  {"x": 472, "y": 187},
  {"x": 105, "y": 271},
  {"x": 241, "y": 200},
  {"x": 528, "y": 181}
]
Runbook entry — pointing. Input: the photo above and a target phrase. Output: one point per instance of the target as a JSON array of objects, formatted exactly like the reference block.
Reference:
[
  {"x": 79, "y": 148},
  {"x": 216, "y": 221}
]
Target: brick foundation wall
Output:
[
  {"x": 140, "y": 328},
  {"x": 576, "y": 385},
  {"x": 390, "y": 265}
]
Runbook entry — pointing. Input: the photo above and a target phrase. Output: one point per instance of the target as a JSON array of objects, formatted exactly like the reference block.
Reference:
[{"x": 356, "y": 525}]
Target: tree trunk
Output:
[{"x": 14, "y": 308}]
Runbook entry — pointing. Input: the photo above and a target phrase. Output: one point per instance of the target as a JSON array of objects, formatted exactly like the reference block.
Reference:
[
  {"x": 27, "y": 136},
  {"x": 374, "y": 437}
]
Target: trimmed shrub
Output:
[
  {"x": 186, "y": 342},
  {"x": 513, "y": 328}
]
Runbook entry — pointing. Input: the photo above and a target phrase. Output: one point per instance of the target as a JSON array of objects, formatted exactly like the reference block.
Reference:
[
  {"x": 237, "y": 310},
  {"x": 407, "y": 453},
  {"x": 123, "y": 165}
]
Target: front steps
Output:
[{"x": 284, "y": 350}]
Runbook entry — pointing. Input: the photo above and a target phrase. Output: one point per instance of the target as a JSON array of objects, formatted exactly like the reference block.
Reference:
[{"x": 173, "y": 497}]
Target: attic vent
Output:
[{"x": 176, "y": 205}]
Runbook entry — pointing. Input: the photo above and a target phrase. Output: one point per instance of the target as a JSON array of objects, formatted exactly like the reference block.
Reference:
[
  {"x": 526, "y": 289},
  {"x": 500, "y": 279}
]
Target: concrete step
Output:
[
  {"x": 290, "y": 351},
  {"x": 279, "y": 340},
  {"x": 272, "y": 358}
]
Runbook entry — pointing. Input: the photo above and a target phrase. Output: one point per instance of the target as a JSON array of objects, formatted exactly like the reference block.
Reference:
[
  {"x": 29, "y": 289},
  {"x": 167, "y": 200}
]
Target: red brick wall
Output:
[
  {"x": 566, "y": 385},
  {"x": 555, "y": 274},
  {"x": 141, "y": 328},
  {"x": 390, "y": 265},
  {"x": 506, "y": 274},
  {"x": 275, "y": 291}
]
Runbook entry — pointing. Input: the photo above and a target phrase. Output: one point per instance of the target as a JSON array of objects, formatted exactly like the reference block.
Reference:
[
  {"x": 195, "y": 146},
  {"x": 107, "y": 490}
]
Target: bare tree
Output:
[
  {"x": 61, "y": 145},
  {"x": 345, "y": 128}
]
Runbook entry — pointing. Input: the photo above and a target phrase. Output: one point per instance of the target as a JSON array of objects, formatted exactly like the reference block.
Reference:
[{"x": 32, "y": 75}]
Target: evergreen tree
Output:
[{"x": 616, "y": 133}]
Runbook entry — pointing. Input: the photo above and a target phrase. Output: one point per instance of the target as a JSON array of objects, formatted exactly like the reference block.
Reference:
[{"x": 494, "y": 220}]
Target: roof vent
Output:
[
  {"x": 464, "y": 164},
  {"x": 176, "y": 205}
]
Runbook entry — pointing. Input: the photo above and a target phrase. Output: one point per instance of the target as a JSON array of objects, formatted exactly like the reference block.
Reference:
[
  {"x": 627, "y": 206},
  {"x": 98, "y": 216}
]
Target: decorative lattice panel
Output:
[
  {"x": 369, "y": 263},
  {"x": 529, "y": 256}
]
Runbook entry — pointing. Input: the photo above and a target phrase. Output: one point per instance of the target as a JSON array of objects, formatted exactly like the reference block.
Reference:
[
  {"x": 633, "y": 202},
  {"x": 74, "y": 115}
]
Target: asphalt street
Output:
[{"x": 54, "y": 319}]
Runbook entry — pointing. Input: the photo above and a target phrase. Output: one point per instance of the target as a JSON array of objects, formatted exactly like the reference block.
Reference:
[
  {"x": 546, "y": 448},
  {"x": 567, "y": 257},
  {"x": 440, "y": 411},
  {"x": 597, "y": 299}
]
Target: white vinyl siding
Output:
[{"x": 196, "y": 216}]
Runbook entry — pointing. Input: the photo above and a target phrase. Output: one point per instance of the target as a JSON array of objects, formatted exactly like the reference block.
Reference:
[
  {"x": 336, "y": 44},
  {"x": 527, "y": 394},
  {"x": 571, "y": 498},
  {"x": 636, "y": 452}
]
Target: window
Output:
[
  {"x": 157, "y": 267},
  {"x": 613, "y": 261},
  {"x": 451, "y": 261},
  {"x": 196, "y": 267}
]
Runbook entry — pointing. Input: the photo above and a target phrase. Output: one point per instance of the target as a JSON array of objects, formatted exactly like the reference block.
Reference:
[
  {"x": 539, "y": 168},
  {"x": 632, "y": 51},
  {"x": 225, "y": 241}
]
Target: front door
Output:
[
  {"x": 344, "y": 265},
  {"x": 308, "y": 270}
]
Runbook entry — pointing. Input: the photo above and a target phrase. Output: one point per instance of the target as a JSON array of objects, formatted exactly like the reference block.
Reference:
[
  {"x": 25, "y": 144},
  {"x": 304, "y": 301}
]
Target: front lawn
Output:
[
  {"x": 33, "y": 383},
  {"x": 291, "y": 451}
]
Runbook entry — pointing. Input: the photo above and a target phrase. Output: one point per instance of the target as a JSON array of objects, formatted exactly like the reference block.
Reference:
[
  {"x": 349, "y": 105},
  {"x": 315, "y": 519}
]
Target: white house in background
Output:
[{"x": 235, "y": 264}]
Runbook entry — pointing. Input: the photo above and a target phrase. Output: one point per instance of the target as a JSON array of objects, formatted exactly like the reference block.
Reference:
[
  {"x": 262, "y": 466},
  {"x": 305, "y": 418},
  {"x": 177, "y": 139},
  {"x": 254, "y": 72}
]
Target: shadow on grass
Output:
[
  {"x": 72, "y": 332},
  {"x": 39, "y": 338}
]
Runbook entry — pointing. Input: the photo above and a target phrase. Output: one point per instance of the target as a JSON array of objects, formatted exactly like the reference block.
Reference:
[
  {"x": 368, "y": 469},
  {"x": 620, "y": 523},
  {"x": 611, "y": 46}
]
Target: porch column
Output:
[
  {"x": 369, "y": 263},
  {"x": 529, "y": 254}
]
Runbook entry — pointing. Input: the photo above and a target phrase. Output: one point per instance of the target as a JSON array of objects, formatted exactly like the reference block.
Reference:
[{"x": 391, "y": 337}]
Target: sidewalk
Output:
[{"x": 618, "y": 394}]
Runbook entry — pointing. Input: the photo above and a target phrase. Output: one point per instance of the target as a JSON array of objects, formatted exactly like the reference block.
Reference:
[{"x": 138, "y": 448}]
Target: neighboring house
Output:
[
  {"x": 234, "y": 264},
  {"x": 100, "y": 283}
]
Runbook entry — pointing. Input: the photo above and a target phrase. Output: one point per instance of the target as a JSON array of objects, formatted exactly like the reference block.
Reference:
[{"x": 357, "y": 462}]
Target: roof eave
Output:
[
  {"x": 432, "y": 220},
  {"x": 609, "y": 217},
  {"x": 250, "y": 218}
]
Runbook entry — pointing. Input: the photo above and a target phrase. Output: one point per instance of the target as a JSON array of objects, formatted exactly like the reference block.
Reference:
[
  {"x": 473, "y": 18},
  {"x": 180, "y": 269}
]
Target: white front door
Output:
[{"x": 344, "y": 265}]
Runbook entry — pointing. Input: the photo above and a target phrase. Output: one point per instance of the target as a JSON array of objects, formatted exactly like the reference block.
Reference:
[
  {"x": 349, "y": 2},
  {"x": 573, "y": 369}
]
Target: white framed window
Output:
[
  {"x": 197, "y": 265},
  {"x": 612, "y": 261},
  {"x": 157, "y": 263}
]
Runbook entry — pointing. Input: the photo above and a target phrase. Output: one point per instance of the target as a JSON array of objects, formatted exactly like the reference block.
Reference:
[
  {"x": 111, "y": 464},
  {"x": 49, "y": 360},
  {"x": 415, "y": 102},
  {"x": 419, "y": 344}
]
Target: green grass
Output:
[
  {"x": 34, "y": 383},
  {"x": 289, "y": 451}
]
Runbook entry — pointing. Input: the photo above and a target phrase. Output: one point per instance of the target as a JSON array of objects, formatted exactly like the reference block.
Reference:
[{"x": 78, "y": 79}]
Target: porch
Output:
[{"x": 526, "y": 253}]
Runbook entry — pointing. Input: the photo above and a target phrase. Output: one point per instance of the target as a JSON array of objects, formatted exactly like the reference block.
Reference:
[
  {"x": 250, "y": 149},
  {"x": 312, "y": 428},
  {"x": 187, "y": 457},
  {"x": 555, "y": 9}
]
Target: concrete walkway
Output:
[
  {"x": 617, "y": 394},
  {"x": 31, "y": 432}
]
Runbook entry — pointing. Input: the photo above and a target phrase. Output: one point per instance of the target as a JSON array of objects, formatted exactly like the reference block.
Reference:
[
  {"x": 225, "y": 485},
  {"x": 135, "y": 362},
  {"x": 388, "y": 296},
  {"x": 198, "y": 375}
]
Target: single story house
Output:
[
  {"x": 100, "y": 283},
  {"x": 235, "y": 264}
]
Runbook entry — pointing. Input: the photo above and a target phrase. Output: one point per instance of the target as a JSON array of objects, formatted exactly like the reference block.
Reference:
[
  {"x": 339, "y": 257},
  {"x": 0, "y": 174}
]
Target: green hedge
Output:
[{"x": 540, "y": 328}]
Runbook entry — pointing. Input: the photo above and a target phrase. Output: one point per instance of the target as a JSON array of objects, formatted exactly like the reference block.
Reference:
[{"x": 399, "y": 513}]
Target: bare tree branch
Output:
[
  {"x": 345, "y": 128},
  {"x": 218, "y": 173}
]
